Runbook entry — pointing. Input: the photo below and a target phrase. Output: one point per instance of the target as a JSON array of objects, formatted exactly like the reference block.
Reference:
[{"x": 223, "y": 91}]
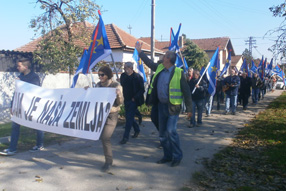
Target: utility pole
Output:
[
  {"x": 153, "y": 30},
  {"x": 251, "y": 43},
  {"x": 129, "y": 27}
]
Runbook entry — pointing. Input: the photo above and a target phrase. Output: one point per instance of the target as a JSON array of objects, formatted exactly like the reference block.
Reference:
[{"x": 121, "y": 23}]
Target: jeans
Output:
[
  {"x": 199, "y": 104},
  {"x": 130, "y": 110},
  {"x": 255, "y": 93},
  {"x": 15, "y": 133},
  {"x": 209, "y": 105},
  {"x": 155, "y": 116},
  {"x": 230, "y": 102},
  {"x": 169, "y": 137}
]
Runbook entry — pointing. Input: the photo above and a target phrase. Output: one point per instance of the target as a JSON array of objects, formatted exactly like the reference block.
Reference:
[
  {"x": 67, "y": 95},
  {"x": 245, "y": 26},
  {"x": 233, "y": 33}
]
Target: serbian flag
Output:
[
  {"x": 140, "y": 66},
  {"x": 99, "y": 47}
]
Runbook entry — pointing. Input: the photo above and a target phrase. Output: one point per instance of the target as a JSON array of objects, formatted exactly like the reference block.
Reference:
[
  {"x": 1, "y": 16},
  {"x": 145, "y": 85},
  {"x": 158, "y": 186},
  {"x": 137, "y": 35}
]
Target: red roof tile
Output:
[{"x": 118, "y": 38}]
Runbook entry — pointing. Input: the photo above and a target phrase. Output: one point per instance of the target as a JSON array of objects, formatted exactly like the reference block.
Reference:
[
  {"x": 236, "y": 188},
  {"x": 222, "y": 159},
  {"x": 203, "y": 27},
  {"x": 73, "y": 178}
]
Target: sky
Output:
[{"x": 237, "y": 19}]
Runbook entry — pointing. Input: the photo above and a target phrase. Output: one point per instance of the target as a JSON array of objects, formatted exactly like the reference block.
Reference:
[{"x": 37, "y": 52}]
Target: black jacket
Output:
[
  {"x": 137, "y": 87},
  {"x": 200, "y": 92}
]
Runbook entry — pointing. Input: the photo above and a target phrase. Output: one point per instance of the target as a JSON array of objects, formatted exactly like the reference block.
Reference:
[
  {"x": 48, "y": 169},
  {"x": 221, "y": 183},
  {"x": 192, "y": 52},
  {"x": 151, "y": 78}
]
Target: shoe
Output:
[
  {"x": 123, "y": 141},
  {"x": 233, "y": 113},
  {"x": 199, "y": 124},
  {"x": 163, "y": 161},
  {"x": 135, "y": 134},
  {"x": 175, "y": 163},
  {"x": 226, "y": 113},
  {"x": 140, "y": 120},
  {"x": 36, "y": 148},
  {"x": 105, "y": 167},
  {"x": 7, "y": 152},
  {"x": 207, "y": 115}
]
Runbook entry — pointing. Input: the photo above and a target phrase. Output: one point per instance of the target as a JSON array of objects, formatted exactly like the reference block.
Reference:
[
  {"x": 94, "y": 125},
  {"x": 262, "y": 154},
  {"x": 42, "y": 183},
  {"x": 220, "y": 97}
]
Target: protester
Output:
[
  {"x": 255, "y": 83},
  {"x": 168, "y": 88},
  {"x": 190, "y": 74},
  {"x": 26, "y": 75},
  {"x": 208, "y": 102},
  {"x": 133, "y": 93},
  {"x": 245, "y": 85},
  {"x": 219, "y": 94},
  {"x": 198, "y": 98},
  {"x": 231, "y": 83},
  {"x": 105, "y": 76}
]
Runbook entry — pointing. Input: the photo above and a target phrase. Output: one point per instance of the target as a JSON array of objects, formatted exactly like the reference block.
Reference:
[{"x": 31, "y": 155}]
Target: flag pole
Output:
[
  {"x": 201, "y": 77},
  {"x": 92, "y": 79},
  {"x": 114, "y": 65},
  {"x": 182, "y": 61}
]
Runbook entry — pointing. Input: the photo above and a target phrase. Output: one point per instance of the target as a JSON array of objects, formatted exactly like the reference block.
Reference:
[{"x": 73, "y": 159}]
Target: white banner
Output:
[{"x": 73, "y": 112}]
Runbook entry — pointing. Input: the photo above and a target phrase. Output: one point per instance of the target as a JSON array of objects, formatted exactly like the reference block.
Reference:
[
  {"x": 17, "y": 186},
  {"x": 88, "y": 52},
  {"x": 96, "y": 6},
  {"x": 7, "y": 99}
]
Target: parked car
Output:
[{"x": 280, "y": 84}]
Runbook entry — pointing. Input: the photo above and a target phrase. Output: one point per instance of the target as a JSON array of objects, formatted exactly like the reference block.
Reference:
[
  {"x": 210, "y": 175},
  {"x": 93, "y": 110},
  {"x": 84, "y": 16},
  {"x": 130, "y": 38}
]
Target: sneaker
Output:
[
  {"x": 36, "y": 148},
  {"x": 7, "y": 152}
]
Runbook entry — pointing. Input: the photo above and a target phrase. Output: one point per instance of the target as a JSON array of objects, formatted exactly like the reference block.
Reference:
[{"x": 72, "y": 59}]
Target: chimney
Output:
[{"x": 181, "y": 41}]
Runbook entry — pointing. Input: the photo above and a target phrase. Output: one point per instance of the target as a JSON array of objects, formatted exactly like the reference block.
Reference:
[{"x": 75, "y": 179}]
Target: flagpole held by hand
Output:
[{"x": 201, "y": 77}]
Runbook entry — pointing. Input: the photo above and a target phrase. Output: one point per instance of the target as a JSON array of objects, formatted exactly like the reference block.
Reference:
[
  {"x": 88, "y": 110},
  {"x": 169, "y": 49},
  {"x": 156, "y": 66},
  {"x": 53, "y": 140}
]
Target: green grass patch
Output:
[
  {"x": 27, "y": 137},
  {"x": 256, "y": 160}
]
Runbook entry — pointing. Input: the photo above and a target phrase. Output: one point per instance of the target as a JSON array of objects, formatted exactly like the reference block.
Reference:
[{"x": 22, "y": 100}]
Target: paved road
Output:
[{"x": 75, "y": 165}]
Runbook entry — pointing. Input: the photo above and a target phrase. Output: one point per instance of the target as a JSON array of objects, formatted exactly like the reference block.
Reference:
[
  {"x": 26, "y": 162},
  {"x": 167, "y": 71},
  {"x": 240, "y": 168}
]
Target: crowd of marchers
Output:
[
  {"x": 170, "y": 92},
  {"x": 232, "y": 90}
]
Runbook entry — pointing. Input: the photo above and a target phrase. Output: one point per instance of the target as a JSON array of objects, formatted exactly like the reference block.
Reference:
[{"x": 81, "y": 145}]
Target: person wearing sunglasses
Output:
[{"x": 105, "y": 80}]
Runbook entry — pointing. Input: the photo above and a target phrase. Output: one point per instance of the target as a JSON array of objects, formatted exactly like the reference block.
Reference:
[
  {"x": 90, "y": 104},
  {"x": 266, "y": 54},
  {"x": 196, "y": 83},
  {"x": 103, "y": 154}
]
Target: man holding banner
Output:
[
  {"x": 167, "y": 89},
  {"x": 26, "y": 75}
]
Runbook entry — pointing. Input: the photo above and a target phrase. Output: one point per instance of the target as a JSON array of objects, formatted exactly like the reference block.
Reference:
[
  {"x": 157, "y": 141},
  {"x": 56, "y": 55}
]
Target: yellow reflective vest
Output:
[{"x": 175, "y": 93}]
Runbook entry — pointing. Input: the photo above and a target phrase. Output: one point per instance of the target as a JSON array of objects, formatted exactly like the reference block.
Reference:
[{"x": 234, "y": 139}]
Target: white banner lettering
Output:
[{"x": 73, "y": 112}]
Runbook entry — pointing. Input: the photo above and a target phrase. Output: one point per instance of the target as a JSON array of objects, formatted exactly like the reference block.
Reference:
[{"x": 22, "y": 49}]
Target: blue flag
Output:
[
  {"x": 260, "y": 69},
  {"x": 83, "y": 60},
  {"x": 140, "y": 66},
  {"x": 174, "y": 40},
  {"x": 227, "y": 64},
  {"x": 211, "y": 73},
  {"x": 99, "y": 47},
  {"x": 179, "y": 63},
  {"x": 253, "y": 68},
  {"x": 245, "y": 68},
  {"x": 269, "y": 68}
]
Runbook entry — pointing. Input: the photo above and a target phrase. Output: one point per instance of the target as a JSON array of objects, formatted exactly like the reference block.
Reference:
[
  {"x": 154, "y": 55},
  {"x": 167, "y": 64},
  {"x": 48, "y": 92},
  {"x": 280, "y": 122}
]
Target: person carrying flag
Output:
[
  {"x": 198, "y": 98},
  {"x": 167, "y": 89}
]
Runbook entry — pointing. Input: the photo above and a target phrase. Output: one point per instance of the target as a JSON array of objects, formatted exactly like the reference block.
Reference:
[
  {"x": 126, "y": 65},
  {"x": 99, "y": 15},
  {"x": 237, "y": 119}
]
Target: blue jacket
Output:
[{"x": 232, "y": 80}]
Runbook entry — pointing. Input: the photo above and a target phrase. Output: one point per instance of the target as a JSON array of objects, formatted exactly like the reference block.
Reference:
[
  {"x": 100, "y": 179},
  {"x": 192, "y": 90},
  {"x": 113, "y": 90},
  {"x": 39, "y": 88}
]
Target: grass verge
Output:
[
  {"x": 27, "y": 137},
  {"x": 256, "y": 161}
]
